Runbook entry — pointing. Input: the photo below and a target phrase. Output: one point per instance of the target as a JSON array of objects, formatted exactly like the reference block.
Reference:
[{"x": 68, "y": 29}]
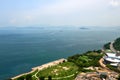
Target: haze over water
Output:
[{"x": 24, "y": 48}]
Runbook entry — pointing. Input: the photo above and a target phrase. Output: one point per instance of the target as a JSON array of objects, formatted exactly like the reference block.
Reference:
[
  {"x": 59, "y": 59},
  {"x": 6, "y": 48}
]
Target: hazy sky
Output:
[{"x": 60, "y": 12}]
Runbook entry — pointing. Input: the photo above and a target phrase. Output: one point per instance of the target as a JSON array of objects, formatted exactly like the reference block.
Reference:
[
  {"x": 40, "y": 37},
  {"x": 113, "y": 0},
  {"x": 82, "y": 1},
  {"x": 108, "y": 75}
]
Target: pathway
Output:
[
  {"x": 62, "y": 77},
  {"x": 36, "y": 75},
  {"x": 103, "y": 65}
]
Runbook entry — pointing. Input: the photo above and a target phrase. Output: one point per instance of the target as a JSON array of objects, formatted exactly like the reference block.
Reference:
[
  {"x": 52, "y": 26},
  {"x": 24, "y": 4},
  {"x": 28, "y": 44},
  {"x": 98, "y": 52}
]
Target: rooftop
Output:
[
  {"x": 114, "y": 64},
  {"x": 112, "y": 60},
  {"x": 112, "y": 55}
]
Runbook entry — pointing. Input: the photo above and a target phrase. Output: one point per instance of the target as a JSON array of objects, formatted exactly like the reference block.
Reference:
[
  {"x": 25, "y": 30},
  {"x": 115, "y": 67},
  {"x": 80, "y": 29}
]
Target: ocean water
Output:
[{"x": 24, "y": 48}]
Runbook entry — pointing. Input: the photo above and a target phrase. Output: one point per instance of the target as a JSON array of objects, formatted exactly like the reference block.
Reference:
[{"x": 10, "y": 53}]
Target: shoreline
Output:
[
  {"x": 41, "y": 67},
  {"x": 56, "y": 62}
]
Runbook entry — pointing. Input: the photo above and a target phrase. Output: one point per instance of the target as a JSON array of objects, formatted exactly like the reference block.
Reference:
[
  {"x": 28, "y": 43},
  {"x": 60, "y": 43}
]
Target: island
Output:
[
  {"x": 84, "y": 28},
  {"x": 92, "y": 65}
]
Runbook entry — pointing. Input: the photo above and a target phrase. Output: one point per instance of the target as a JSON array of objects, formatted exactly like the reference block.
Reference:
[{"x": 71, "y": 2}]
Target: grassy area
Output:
[
  {"x": 90, "y": 58},
  {"x": 63, "y": 71},
  {"x": 107, "y": 51},
  {"x": 60, "y": 71},
  {"x": 87, "y": 59}
]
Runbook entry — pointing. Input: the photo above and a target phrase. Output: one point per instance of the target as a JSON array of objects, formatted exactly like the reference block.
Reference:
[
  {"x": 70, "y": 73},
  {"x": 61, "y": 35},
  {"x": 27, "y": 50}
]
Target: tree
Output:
[
  {"x": 107, "y": 46},
  {"x": 29, "y": 77},
  {"x": 49, "y": 77},
  {"x": 42, "y": 78},
  {"x": 21, "y": 78},
  {"x": 103, "y": 76},
  {"x": 116, "y": 44}
]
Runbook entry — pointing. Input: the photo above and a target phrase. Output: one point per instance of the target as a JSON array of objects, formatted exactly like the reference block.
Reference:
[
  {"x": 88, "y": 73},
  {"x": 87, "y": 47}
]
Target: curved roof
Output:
[
  {"x": 112, "y": 55},
  {"x": 112, "y": 60}
]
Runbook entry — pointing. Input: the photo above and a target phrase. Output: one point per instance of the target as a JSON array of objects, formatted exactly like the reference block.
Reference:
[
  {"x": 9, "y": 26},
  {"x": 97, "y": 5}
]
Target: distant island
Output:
[
  {"x": 84, "y": 28},
  {"x": 92, "y": 65}
]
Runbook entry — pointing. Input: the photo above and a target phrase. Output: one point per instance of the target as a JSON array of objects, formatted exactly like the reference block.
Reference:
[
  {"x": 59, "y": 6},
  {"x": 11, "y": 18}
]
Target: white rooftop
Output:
[
  {"x": 112, "y": 55},
  {"x": 114, "y": 64},
  {"x": 112, "y": 60}
]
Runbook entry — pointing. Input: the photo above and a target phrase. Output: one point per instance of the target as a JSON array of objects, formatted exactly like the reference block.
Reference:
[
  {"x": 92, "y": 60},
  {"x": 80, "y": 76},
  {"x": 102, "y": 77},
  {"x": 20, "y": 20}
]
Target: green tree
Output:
[
  {"x": 29, "y": 77},
  {"x": 117, "y": 44},
  {"x": 21, "y": 78},
  {"x": 49, "y": 77},
  {"x": 42, "y": 78},
  {"x": 103, "y": 76},
  {"x": 107, "y": 46}
]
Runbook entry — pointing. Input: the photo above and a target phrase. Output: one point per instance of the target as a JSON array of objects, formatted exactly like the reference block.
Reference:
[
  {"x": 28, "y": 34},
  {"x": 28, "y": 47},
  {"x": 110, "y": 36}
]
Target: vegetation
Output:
[
  {"x": 113, "y": 68},
  {"x": 117, "y": 44},
  {"x": 87, "y": 59},
  {"x": 107, "y": 46},
  {"x": 103, "y": 76},
  {"x": 62, "y": 70}
]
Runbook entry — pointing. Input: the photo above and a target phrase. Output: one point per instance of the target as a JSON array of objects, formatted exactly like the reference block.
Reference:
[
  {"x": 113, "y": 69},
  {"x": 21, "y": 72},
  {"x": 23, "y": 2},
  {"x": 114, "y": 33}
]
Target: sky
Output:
[{"x": 59, "y": 12}]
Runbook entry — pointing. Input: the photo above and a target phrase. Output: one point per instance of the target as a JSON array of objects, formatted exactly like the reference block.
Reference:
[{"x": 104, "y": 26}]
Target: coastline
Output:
[
  {"x": 56, "y": 62},
  {"x": 49, "y": 64}
]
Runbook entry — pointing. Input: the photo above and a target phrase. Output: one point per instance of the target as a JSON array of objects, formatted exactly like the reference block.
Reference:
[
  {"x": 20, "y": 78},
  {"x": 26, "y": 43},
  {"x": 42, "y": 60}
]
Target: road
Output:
[{"x": 112, "y": 48}]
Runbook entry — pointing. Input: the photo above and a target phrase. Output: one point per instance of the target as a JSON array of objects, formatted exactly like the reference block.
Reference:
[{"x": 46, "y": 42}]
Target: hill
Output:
[{"x": 117, "y": 44}]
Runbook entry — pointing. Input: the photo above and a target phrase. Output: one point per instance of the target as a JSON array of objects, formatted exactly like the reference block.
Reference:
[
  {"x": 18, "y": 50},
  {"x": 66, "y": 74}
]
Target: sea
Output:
[{"x": 22, "y": 48}]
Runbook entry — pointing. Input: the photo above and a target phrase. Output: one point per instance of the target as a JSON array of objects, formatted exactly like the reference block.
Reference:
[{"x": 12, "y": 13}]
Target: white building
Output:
[{"x": 112, "y": 58}]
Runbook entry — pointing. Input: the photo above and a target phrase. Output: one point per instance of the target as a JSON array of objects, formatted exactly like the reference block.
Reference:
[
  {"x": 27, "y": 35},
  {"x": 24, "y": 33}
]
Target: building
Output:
[{"x": 112, "y": 58}]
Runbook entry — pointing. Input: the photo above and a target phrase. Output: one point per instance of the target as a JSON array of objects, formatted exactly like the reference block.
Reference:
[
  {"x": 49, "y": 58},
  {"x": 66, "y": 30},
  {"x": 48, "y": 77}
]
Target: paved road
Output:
[{"x": 112, "y": 48}]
